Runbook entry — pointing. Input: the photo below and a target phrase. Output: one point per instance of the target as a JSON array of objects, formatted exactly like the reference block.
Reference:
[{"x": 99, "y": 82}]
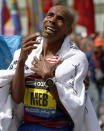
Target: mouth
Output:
[{"x": 50, "y": 29}]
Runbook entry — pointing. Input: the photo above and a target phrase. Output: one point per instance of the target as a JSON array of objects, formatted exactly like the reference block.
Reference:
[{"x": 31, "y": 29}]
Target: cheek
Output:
[
  {"x": 45, "y": 20},
  {"x": 43, "y": 26},
  {"x": 60, "y": 24},
  {"x": 44, "y": 23}
]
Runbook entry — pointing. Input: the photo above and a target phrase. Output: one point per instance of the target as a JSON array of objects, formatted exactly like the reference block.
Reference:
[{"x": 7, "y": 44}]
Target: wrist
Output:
[
  {"x": 46, "y": 76},
  {"x": 21, "y": 63},
  {"x": 22, "y": 57}
]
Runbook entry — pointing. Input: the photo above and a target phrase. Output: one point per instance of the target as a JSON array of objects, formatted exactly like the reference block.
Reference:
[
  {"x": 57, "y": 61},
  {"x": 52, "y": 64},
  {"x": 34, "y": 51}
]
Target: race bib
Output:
[{"x": 38, "y": 100}]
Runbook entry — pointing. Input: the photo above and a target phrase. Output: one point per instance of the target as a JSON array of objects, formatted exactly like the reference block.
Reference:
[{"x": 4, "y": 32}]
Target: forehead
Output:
[{"x": 59, "y": 10}]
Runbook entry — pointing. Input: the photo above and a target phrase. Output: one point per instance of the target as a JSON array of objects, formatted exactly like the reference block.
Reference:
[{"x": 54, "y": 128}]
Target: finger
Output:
[
  {"x": 34, "y": 69},
  {"x": 36, "y": 59},
  {"x": 30, "y": 43},
  {"x": 33, "y": 63},
  {"x": 30, "y": 37},
  {"x": 28, "y": 50},
  {"x": 41, "y": 57}
]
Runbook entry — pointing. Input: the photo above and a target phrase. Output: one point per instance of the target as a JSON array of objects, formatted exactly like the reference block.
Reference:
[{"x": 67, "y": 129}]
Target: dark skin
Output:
[
  {"x": 55, "y": 28},
  {"x": 18, "y": 84}
]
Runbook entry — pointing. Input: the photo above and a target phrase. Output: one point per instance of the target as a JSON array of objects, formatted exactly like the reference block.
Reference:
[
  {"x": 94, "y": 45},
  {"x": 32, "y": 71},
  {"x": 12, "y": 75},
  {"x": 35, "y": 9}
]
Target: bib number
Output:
[{"x": 39, "y": 102}]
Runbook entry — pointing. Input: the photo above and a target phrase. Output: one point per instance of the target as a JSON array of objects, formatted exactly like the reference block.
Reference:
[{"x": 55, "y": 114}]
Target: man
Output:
[{"x": 49, "y": 78}]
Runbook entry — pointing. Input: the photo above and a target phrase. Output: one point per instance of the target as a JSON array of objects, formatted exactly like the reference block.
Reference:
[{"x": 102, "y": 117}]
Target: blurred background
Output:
[{"x": 23, "y": 17}]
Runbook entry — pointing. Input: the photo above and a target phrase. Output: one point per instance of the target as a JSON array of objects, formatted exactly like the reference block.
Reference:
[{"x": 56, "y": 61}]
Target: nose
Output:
[{"x": 53, "y": 20}]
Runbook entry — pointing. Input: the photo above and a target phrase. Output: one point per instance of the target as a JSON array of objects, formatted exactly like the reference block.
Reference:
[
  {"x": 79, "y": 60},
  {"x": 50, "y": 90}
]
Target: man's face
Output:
[{"x": 55, "y": 24}]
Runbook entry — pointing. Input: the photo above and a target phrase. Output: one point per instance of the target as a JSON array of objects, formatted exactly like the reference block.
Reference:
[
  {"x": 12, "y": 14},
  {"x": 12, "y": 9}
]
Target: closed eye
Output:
[
  {"x": 60, "y": 18},
  {"x": 50, "y": 14}
]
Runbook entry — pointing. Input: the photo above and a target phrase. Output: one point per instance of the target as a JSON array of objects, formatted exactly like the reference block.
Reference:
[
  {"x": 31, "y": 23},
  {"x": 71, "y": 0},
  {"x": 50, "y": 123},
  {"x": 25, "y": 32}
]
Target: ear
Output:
[{"x": 69, "y": 31}]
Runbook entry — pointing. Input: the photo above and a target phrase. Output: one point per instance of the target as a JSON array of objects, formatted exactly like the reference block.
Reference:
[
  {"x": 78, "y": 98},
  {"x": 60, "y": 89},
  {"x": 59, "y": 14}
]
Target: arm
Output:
[{"x": 18, "y": 83}]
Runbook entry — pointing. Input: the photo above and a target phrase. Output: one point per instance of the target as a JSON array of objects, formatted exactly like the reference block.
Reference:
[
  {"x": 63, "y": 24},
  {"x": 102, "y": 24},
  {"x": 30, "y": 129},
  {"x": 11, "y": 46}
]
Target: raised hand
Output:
[
  {"x": 43, "y": 68},
  {"x": 28, "y": 45}
]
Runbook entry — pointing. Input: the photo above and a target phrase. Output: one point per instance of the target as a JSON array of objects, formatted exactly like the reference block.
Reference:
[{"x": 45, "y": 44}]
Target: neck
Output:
[{"x": 51, "y": 47}]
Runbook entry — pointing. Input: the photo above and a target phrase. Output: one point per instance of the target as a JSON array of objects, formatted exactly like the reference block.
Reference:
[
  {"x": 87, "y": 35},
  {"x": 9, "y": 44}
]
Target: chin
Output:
[{"x": 48, "y": 36}]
